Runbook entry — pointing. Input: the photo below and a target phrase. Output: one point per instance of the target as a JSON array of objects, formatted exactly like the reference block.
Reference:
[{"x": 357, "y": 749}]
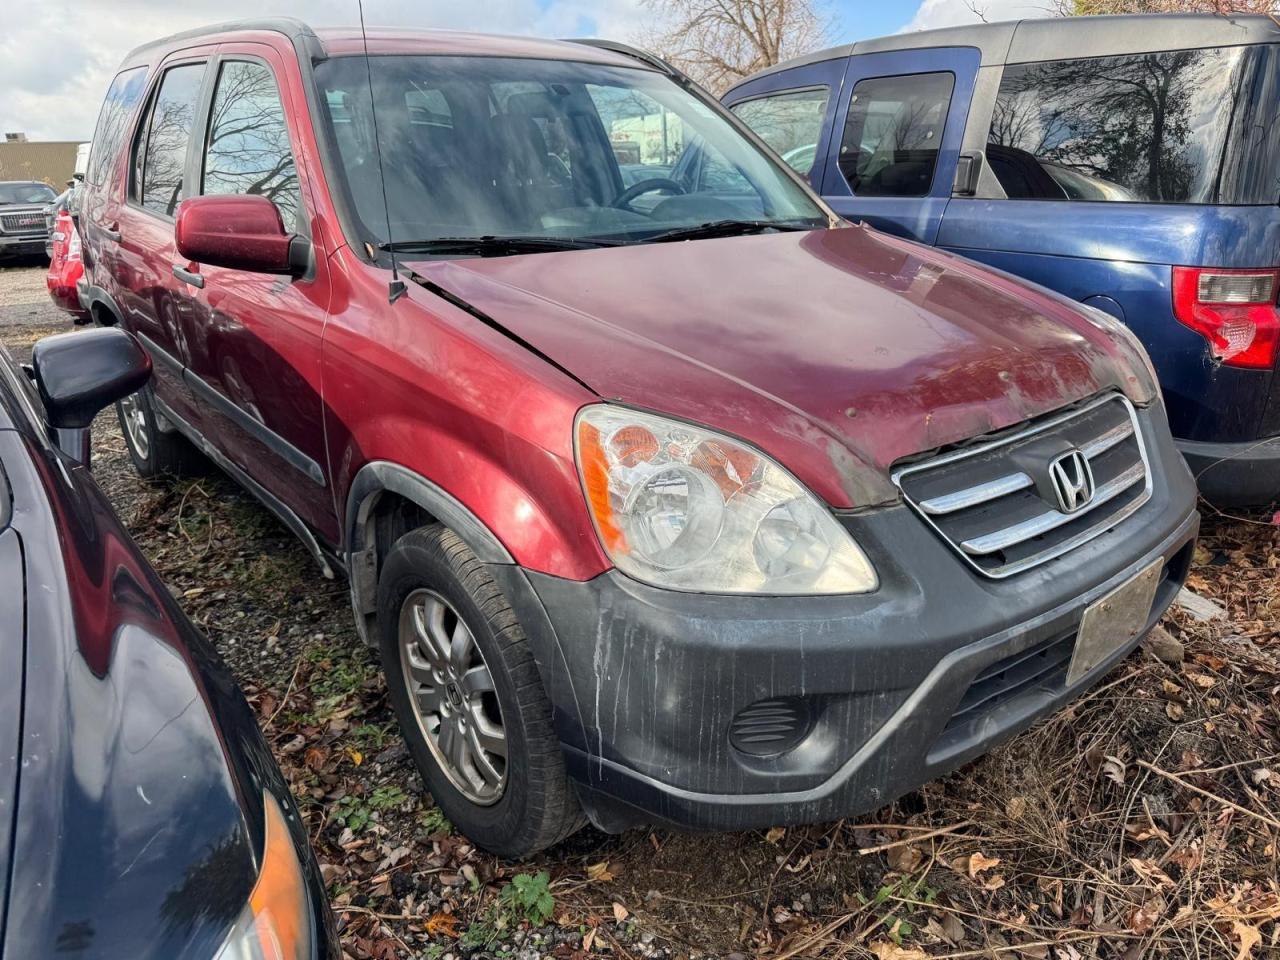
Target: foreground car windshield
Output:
[
  {"x": 489, "y": 147},
  {"x": 25, "y": 193}
]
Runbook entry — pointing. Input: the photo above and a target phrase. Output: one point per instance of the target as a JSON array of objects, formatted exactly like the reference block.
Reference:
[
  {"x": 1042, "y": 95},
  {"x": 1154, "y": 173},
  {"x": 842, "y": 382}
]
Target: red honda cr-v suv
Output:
[{"x": 665, "y": 494}]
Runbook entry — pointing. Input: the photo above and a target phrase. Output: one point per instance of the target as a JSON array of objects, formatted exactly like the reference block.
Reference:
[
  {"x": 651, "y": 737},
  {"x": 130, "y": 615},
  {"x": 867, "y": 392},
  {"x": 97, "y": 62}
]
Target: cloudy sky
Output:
[{"x": 57, "y": 56}]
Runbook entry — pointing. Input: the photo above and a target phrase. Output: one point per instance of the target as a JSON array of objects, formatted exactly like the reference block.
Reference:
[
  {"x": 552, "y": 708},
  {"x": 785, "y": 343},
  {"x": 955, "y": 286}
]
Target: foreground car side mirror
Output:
[
  {"x": 241, "y": 232},
  {"x": 78, "y": 374}
]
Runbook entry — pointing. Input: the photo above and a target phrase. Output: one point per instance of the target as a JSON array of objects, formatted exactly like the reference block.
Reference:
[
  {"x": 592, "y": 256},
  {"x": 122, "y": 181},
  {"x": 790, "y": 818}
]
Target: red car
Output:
[
  {"x": 682, "y": 501},
  {"x": 65, "y": 266}
]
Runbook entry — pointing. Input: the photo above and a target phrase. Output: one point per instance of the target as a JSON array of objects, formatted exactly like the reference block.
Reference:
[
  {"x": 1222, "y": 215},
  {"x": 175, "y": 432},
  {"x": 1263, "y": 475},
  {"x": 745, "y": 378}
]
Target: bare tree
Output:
[
  {"x": 1082, "y": 8},
  {"x": 718, "y": 42}
]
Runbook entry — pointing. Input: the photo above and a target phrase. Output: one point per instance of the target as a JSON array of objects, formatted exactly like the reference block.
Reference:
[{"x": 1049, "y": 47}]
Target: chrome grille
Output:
[
  {"x": 15, "y": 222},
  {"x": 992, "y": 499}
]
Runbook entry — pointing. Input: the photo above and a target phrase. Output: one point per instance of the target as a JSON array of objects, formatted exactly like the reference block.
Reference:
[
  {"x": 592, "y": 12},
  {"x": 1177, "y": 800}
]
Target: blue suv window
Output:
[
  {"x": 1184, "y": 126},
  {"x": 790, "y": 122},
  {"x": 892, "y": 134}
]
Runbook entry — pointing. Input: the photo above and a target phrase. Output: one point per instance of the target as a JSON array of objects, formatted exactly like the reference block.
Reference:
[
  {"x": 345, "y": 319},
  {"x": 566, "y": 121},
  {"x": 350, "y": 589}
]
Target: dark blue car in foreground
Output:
[
  {"x": 141, "y": 813},
  {"x": 1131, "y": 163}
]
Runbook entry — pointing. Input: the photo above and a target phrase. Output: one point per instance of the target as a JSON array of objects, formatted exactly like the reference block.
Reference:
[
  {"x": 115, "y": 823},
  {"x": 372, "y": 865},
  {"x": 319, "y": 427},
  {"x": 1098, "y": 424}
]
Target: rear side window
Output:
[
  {"x": 892, "y": 134},
  {"x": 248, "y": 149},
  {"x": 1184, "y": 126},
  {"x": 123, "y": 95},
  {"x": 789, "y": 122},
  {"x": 162, "y": 155}
]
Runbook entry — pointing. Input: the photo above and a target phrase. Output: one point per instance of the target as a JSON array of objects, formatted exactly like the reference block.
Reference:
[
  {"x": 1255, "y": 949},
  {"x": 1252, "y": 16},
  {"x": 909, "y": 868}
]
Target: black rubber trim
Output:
[
  {"x": 160, "y": 355},
  {"x": 255, "y": 428},
  {"x": 259, "y": 431}
]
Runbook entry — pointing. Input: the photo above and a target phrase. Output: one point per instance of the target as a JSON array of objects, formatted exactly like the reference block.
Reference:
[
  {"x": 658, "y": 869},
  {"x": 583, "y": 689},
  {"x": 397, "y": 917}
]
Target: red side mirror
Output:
[{"x": 239, "y": 231}]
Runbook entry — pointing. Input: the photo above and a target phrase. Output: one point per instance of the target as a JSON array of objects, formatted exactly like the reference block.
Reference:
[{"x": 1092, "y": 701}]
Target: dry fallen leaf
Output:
[
  {"x": 905, "y": 859},
  {"x": 978, "y": 863},
  {"x": 1150, "y": 871},
  {"x": 887, "y": 950},
  {"x": 443, "y": 925},
  {"x": 600, "y": 872},
  {"x": 1249, "y": 937},
  {"x": 620, "y": 912},
  {"x": 775, "y": 834},
  {"x": 1113, "y": 769}
]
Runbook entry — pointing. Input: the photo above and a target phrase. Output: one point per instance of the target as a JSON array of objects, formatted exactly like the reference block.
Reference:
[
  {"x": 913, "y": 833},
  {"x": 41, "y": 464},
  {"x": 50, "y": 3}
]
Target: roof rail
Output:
[
  {"x": 299, "y": 32},
  {"x": 635, "y": 53}
]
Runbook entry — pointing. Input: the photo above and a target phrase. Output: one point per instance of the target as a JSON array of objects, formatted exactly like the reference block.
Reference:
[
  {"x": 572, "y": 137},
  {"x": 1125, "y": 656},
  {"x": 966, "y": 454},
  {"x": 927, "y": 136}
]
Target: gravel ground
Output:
[{"x": 1143, "y": 821}]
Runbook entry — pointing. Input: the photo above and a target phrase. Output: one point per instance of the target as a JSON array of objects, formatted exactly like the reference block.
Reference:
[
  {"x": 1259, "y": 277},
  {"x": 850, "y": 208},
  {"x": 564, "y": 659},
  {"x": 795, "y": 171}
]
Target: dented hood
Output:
[{"x": 835, "y": 351}]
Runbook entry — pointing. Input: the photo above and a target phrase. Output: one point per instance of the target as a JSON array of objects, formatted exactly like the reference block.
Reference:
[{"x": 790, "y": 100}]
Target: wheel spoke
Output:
[
  {"x": 488, "y": 735},
  {"x": 419, "y": 669},
  {"x": 460, "y": 647},
  {"x": 450, "y": 741},
  {"x": 430, "y": 699},
  {"x": 484, "y": 766},
  {"x": 477, "y": 680},
  {"x": 428, "y": 622}
]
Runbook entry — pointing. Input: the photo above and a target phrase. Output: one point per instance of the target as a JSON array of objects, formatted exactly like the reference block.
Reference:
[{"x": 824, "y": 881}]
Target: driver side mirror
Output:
[
  {"x": 78, "y": 374},
  {"x": 241, "y": 232}
]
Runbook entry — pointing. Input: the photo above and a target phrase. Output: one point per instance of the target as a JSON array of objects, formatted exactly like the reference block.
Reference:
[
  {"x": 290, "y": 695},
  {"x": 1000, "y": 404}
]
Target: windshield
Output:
[
  {"x": 481, "y": 147},
  {"x": 26, "y": 193}
]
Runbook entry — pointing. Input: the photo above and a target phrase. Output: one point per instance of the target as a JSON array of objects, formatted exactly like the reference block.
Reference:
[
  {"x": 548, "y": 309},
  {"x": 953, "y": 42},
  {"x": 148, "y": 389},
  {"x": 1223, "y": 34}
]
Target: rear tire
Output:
[
  {"x": 155, "y": 453},
  {"x": 471, "y": 706}
]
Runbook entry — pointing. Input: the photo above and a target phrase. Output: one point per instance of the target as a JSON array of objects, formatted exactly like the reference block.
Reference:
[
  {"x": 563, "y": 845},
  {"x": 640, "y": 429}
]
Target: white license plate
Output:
[{"x": 1113, "y": 621}]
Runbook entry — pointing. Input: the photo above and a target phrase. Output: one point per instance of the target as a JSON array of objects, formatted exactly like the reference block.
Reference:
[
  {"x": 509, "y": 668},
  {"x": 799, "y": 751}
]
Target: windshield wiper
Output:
[
  {"x": 492, "y": 246},
  {"x": 726, "y": 228}
]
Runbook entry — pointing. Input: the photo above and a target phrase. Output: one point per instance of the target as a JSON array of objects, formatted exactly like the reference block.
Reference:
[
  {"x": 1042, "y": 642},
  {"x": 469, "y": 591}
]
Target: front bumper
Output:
[
  {"x": 647, "y": 684},
  {"x": 14, "y": 246},
  {"x": 1235, "y": 474}
]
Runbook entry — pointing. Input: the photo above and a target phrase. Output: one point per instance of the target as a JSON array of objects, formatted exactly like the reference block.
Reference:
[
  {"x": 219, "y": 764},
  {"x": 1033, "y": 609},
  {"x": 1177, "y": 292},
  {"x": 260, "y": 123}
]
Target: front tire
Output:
[
  {"x": 469, "y": 699},
  {"x": 155, "y": 453}
]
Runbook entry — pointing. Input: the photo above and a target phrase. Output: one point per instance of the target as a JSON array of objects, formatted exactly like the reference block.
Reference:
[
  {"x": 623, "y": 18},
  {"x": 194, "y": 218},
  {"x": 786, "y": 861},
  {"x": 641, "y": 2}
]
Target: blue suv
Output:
[{"x": 1131, "y": 163}]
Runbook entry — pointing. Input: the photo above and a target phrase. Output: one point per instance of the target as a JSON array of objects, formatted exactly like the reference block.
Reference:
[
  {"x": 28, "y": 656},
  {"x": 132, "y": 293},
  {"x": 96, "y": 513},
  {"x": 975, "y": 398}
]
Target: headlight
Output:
[
  {"x": 1147, "y": 387},
  {"x": 276, "y": 922},
  {"x": 680, "y": 506}
]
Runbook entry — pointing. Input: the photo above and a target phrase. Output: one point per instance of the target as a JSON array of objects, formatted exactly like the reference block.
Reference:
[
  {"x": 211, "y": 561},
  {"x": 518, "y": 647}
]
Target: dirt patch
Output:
[{"x": 1141, "y": 822}]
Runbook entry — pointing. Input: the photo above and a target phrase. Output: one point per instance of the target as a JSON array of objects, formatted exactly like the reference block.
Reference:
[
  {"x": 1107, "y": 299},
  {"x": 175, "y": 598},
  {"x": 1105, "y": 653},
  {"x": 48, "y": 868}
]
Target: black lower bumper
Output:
[
  {"x": 660, "y": 695},
  {"x": 1235, "y": 474},
  {"x": 21, "y": 246}
]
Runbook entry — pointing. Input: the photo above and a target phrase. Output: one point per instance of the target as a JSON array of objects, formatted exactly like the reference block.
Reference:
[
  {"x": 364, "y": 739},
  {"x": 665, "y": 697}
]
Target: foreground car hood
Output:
[{"x": 836, "y": 351}]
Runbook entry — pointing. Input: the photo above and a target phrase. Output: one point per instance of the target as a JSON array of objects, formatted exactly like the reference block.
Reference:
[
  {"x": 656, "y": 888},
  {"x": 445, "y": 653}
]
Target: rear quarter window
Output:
[
  {"x": 113, "y": 120},
  {"x": 1183, "y": 126}
]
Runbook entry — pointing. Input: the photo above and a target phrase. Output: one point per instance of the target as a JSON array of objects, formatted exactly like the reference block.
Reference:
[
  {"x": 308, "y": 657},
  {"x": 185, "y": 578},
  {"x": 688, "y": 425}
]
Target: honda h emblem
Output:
[{"x": 1072, "y": 480}]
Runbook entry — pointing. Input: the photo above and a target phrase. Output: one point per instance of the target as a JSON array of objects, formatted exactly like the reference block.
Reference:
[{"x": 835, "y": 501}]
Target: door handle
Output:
[
  {"x": 188, "y": 276},
  {"x": 111, "y": 233}
]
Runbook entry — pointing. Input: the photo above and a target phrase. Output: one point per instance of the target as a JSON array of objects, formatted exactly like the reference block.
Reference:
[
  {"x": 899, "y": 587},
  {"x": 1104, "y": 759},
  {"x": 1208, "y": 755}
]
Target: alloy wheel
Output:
[
  {"x": 135, "y": 422},
  {"x": 453, "y": 696}
]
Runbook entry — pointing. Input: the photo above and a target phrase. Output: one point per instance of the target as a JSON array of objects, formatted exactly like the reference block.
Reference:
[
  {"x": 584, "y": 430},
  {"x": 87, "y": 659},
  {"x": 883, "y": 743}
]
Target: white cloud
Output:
[
  {"x": 951, "y": 13},
  {"x": 57, "y": 57}
]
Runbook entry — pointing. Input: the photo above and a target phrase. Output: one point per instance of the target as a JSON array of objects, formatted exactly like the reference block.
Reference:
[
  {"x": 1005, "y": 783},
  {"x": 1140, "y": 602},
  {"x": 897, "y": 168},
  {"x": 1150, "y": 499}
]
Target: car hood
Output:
[{"x": 836, "y": 351}]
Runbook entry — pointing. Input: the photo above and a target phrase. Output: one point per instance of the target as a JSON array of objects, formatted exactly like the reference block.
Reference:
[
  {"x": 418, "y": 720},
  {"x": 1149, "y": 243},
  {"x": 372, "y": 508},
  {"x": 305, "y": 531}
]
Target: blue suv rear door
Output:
[{"x": 896, "y": 137}]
